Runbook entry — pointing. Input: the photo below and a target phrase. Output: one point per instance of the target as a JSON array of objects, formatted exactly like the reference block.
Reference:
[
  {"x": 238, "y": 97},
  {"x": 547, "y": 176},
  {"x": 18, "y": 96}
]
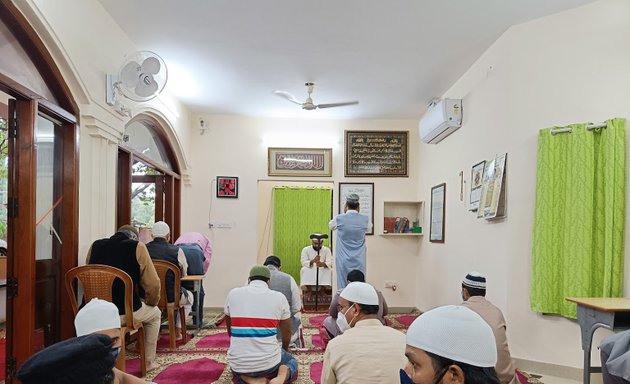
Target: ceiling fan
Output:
[{"x": 308, "y": 104}]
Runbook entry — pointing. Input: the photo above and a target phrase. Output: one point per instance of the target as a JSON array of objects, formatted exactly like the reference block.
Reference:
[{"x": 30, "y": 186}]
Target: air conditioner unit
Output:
[{"x": 442, "y": 119}]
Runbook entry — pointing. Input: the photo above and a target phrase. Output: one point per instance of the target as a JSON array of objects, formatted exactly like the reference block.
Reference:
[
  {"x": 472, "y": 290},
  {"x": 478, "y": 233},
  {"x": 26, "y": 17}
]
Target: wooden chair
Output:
[
  {"x": 97, "y": 282},
  {"x": 162, "y": 267}
]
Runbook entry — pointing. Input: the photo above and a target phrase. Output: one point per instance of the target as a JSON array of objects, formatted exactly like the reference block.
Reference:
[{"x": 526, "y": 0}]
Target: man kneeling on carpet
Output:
[
  {"x": 367, "y": 351},
  {"x": 101, "y": 316},
  {"x": 254, "y": 314}
]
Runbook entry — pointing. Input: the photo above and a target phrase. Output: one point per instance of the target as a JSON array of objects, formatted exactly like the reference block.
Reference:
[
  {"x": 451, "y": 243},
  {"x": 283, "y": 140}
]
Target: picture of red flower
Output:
[{"x": 227, "y": 186}]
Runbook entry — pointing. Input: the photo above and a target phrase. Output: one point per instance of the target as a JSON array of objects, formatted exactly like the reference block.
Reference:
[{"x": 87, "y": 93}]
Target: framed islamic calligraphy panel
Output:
[
  {"x": 376, "y": 153},
  {"x": 300, "y": 162}
]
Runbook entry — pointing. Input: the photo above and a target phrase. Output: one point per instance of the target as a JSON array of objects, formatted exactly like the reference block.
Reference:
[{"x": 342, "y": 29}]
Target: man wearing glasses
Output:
[{"x": 351, "y": 356}]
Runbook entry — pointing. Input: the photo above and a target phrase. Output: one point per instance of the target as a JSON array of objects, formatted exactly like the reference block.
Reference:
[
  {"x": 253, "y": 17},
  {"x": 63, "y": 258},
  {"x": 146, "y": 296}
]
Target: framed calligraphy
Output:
[
  {"x": 300, "y": 162},
  {"x": 376, "y": 153},
  {"x": 366, "y": 199}
]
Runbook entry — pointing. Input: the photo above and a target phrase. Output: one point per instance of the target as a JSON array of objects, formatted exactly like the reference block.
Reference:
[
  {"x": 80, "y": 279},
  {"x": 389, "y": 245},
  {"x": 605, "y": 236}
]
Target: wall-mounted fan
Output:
[
  {"x": 141, "y": 77},
  {"x": 308, "y": 104}
]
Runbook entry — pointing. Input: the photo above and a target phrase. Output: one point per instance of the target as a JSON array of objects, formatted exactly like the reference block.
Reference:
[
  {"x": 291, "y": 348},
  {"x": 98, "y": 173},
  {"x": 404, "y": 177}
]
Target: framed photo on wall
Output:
[
  {"x": 366, "y": 199},
  {"x": 300, "y": 162},
  {"x": 227, "y": 186},
  {"x": 438, "y": 209}
]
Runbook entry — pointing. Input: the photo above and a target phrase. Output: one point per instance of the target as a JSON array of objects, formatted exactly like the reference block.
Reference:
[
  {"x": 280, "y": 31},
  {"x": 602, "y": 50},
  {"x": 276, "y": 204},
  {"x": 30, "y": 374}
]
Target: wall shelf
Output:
[{"x": 399, "y": 213}]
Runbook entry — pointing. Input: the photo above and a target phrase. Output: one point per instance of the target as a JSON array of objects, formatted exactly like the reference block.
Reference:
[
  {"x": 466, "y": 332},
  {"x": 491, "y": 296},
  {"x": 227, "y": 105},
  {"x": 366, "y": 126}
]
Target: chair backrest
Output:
[
  {"x": 162, "y": 268},
  {"x": 97, "y": 282}
]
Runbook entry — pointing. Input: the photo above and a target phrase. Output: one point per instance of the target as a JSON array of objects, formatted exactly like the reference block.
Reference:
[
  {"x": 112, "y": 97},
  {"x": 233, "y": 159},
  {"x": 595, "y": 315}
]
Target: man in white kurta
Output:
[
  {"x": 311, "y": 260},
  {"x": 367, "y": 352},
  {"x": 351, "y": 251}
]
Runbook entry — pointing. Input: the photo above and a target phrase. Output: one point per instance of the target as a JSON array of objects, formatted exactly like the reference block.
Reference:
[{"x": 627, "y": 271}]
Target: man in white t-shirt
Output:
[{"x": 254, "y": 314}]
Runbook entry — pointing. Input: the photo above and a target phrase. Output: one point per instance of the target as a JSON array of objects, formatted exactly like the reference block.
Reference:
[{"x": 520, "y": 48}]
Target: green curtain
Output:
[
  {"x": 298, "y": 212},
  {"x": 578, "y": 239}
]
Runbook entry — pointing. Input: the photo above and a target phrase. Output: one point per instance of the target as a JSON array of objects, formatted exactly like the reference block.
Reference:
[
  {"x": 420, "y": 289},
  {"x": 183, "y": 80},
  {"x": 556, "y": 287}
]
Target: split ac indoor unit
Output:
[{"x": 441, "y": 119}]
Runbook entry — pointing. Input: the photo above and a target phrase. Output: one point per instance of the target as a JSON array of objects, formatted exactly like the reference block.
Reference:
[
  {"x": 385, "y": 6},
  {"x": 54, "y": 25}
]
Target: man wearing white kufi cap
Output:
[
  {"x": 473, "y": 293},
  {"x": 350, "y": 247},
  {"x": 368, "y": 351},
  {"x": 101, "y": 316},
  {"x": 450, "y": 345}
]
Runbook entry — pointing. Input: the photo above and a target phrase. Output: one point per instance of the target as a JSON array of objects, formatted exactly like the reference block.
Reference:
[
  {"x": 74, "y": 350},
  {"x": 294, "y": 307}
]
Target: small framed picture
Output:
[{"x": 227, "y": 186}]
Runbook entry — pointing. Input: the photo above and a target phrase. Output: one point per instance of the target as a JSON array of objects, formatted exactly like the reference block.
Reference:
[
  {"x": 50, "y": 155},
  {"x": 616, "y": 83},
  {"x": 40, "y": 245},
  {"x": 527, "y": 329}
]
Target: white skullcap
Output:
[
  {"x": 160, "y": 229},
  {"x": 97, "y": 315},
  {"x": 474, "y": 280},
  {"x": 360, "y": 293},
  {"x": 454, "y": 332}
]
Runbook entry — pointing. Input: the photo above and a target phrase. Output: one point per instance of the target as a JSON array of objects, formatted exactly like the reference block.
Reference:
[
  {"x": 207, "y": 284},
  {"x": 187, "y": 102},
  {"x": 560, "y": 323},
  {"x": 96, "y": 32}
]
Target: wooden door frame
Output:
[{"x": 22, "y": 167}]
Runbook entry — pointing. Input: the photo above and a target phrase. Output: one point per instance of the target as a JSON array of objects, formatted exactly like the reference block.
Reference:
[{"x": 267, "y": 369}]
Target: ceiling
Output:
[{"x": 394, "y": 56}]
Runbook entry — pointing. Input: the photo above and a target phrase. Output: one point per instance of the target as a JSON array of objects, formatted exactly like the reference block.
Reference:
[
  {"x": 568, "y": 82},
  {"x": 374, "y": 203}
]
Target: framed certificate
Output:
[{"x": 366, "y": 199}]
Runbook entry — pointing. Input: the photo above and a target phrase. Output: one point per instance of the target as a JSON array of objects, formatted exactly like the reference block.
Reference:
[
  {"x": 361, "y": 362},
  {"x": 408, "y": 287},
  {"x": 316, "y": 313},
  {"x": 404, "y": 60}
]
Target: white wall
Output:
[
  {"x": 237, "y": 146},
  {"x": 87, "y": 44},
  {"x": 565, "y": 68}
]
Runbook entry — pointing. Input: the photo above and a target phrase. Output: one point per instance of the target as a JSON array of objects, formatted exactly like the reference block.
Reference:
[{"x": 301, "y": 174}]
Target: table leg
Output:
[
  {"x": 199, "y": 304},
  {"x": 589, "y": 320}
]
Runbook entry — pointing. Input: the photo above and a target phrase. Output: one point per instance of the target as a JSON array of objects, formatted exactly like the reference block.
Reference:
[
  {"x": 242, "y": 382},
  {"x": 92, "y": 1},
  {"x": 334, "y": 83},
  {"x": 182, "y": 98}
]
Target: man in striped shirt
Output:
[{"x": 254, "y": 314}]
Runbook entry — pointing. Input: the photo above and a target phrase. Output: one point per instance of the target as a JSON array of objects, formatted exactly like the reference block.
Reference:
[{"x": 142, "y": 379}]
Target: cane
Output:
[{"x": 319, "y": 237}]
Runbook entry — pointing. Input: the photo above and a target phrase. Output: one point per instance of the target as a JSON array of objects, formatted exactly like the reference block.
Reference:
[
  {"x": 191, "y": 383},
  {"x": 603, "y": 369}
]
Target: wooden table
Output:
[
  {"x": 197, "y": 280},
  {"x": 599, "y": 312}
]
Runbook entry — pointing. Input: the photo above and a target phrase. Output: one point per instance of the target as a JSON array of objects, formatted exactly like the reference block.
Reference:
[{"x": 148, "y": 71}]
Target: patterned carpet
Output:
[{"x": 203, "y": 358}]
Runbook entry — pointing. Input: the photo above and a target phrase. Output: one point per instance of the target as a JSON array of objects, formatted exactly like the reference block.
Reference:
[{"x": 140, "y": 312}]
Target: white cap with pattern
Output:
[
  {"x": 160, "y": 229},
  {"x": 97, "y": 315},
  {"x": 454, "y": 332},
  {"x": 360, "y": 293}
]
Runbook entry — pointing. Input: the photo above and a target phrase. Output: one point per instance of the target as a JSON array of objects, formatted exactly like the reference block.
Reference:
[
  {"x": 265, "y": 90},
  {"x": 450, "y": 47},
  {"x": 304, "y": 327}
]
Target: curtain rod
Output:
[{"x": 569, "y": 129}]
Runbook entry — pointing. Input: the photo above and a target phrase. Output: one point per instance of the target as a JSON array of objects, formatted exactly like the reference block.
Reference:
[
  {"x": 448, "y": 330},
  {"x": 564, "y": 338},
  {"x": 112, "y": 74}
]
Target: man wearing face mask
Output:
[
  {"x": 450, "y": 345},
  {"x": 352, "y": 357},
  {"x": 101, "y": 316}
]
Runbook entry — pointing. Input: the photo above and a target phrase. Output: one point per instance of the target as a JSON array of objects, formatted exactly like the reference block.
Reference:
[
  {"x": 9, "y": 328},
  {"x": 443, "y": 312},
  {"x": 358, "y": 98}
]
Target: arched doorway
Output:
[
  {"x": 148, "y": 177},
  {"x": 41, "y": 190}
]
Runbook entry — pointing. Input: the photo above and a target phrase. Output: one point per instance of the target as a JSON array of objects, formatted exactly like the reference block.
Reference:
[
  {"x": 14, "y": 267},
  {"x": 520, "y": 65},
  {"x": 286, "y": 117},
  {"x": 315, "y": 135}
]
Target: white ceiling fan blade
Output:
[
  {"x": 129, "y": 74},
  {"x": 151, "y": 65},
  {"x": 287, "y": 96},
  {"x": 332, "y": 105},
  {"x": 147, "y": 87}
]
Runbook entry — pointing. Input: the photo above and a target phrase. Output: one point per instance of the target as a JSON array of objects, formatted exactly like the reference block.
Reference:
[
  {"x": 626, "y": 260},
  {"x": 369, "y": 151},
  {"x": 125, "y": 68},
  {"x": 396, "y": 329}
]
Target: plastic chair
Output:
[
  {"x": 162, "y": 268},
  {"x": 97, "y": 282}
]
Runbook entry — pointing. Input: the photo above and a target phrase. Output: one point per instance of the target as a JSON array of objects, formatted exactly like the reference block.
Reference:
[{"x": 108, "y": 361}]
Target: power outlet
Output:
[{"x": 221, "y": 224}]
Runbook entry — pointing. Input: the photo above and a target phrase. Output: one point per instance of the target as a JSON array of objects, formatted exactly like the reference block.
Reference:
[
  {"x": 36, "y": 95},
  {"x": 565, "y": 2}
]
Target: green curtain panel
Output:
[
  {"x": 297, "y": 213},
  {"x": 578, "y": 239}
]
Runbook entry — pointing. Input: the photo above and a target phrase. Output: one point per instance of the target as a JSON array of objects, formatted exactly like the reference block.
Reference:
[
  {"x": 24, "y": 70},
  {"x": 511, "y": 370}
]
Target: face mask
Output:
[
  {"x": 404, "y": 378},
  {"x": 342, "y": 322},
  {"x": 114, "y": 352}
]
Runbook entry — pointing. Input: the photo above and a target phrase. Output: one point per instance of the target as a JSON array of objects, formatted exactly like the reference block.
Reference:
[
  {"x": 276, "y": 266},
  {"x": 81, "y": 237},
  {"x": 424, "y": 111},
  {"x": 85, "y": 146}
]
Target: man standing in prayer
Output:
[
  {"x": 473, "y": 293},
  {"x": 125, "y": 252},
  {"x": 285, "y": 284},
  {"x": 161, "y": 249},
  {"x": 254, "y": 313},
  {"x": 450, "y": 345},
  {"x": 352, "y": 357},
  {"x": 350, "y": 248}
]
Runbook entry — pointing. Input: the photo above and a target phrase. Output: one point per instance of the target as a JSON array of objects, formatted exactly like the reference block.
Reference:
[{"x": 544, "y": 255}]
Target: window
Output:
[{"x": 148, "y": 177}]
